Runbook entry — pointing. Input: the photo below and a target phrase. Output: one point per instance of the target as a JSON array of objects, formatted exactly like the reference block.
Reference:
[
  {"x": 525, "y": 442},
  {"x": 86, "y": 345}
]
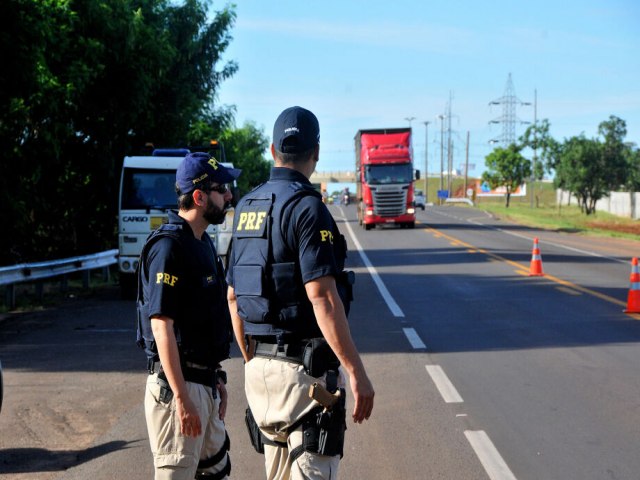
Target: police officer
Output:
[
  {"x": 185, "y": 328},
  {"x": 288, "y": 294}
]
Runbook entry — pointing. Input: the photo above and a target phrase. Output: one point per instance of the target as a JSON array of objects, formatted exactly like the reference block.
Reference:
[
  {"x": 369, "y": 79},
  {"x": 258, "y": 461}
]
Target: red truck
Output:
[{"x": 384, "y": 177}]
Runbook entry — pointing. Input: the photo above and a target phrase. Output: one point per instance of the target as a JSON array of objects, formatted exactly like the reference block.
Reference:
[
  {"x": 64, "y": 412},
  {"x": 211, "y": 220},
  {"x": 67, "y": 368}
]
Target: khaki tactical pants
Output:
[
  {"x": 176, "y": 457},
  {"x": 278, "y": 395}
]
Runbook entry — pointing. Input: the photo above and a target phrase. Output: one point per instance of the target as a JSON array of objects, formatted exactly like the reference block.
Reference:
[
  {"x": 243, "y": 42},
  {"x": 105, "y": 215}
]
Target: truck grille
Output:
[{"x": 389, "y": 201}]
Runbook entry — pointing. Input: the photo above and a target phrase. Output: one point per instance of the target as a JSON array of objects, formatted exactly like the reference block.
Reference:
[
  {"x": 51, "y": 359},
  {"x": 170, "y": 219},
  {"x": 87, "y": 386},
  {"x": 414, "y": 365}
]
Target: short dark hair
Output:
[
  {"x": 185, "y": 200},
  {"x": 294, "y": 158}
]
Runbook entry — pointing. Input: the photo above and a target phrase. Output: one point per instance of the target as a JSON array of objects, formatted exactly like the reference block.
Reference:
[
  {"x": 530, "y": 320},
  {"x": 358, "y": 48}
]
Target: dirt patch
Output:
[{"x": 633, "y": 228}]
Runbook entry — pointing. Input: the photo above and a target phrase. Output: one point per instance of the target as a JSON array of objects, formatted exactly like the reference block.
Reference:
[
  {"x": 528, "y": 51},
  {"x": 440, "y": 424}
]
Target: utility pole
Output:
[
  {"x": 426, "y": 162},
  {"x": 449, "y": 145},
  {"x": 535, "y": 143},
  {"x": 441, "y": 117},
  {"x": 466, "y": 166},
  {"x": 449, "y": 166}
]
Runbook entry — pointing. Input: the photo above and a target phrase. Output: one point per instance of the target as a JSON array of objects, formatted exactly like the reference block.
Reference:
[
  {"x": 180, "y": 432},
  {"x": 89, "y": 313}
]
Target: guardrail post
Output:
[
  {"x": 106, "y": 274},
  {"x": 39, "y": 290},
  {"x": 86, "y": 276},
  {"x": 64, "y": 284},
  {"x": 10, "y": 296}
]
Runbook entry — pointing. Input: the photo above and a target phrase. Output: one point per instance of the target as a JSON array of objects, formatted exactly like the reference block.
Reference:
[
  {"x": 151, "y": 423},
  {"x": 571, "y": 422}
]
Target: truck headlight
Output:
[
  {"x": 411, "y": 210},
  {"x": 368, "y": 211}
]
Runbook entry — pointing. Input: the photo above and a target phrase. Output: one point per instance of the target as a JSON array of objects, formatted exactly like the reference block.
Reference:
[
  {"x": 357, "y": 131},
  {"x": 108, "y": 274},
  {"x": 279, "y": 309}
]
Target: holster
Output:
[
  {"x": 318, "y": 358},
  {"x": 323, "y": 430},
  {"x": 254, "y": 431}
]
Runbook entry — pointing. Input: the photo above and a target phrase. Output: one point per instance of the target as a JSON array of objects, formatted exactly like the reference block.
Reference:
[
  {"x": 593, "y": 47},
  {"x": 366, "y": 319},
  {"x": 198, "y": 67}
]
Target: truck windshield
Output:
[
  {"x": 148, "y": 188},
  {"x": 389, "y": 173}
]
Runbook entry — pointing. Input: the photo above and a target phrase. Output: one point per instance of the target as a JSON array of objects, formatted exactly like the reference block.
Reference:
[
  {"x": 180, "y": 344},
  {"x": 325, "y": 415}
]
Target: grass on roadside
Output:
[{"x": 567, "y": 219}]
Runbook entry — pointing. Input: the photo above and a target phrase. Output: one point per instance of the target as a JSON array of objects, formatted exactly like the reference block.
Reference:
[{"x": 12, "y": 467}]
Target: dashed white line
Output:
[
  {"x": 414, "y": 339},
  {"x": 443, "y": 384},
  {"x": 391, "y": 303},
  {"x": 491, "y": 460}
]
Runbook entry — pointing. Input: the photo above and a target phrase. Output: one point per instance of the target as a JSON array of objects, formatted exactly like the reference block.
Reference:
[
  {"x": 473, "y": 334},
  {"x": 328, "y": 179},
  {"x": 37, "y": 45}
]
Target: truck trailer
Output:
[{"x": 385, "y": 177}]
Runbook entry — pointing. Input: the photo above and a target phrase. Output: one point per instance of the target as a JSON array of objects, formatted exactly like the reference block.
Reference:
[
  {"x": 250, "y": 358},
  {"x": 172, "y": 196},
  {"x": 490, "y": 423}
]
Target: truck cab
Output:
[{"x": 147, "y": 192}]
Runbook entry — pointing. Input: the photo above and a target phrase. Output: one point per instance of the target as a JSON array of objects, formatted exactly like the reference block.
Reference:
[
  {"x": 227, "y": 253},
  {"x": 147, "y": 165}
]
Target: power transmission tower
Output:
[{"x": 509, "y": 101}]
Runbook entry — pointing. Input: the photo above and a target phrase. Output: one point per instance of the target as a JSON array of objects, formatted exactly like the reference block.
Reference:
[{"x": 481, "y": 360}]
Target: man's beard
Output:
[{"x": 213, "y": 214}]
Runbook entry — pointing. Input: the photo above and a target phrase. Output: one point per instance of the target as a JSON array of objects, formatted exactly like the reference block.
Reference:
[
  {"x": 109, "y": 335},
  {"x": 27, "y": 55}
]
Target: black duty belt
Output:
[
  {"x": 290, "y": 352},
  {"x": 206, "y": 376}
]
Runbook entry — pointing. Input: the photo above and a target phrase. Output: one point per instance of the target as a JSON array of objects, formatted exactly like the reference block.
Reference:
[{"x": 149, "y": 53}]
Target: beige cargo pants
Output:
[
  {"x": 176, "y": 457},
  {"x": 278, "y": 395}
]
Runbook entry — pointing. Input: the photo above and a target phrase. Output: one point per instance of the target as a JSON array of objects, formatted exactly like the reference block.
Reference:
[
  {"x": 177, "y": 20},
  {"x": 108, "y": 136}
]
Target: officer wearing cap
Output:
[
  {"x": 289, "y": 297},
  {"x": 185, "y": 329}
]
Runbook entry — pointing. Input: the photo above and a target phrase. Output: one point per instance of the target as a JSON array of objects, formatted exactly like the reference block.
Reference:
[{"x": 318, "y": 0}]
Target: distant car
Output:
[{"x": 418, "y": 199}]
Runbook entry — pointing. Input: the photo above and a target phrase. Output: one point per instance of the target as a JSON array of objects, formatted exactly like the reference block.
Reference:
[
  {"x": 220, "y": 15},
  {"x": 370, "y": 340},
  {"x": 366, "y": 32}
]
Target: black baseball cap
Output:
[
  {"x": 200, "y": 168},
  {"x": 296, "y": 131}
]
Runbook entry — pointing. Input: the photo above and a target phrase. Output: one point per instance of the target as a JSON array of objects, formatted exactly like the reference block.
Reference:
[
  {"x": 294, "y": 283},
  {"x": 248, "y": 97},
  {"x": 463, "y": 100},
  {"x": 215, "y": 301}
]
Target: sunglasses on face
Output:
[{"x": 221, "y": 189}]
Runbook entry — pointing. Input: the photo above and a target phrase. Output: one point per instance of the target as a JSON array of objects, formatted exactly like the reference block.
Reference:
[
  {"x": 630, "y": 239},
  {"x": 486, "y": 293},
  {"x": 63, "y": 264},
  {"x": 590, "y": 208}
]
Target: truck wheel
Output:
[
  {"x": 368, "y": 226},
  {"x": 411, "y": 225},
  {"x": 128, "y": 286}
]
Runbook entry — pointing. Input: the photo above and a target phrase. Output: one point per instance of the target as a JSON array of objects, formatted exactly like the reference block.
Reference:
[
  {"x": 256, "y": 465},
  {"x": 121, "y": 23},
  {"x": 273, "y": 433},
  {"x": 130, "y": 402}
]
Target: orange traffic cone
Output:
[
  {"x": 633, "y": 299},
  {"x": 536, "y": 261}
]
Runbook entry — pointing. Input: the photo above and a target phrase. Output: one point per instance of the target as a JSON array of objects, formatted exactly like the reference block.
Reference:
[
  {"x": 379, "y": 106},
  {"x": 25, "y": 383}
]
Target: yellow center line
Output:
[{"x": 522, "y": 270}]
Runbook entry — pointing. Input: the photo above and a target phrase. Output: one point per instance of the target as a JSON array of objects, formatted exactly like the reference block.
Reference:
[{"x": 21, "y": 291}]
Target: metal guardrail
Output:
[{"x": 33, "y": 272}]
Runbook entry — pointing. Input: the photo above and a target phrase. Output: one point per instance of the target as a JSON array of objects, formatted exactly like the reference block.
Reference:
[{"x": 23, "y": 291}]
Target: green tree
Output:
[
  {"x": 582, "y": 172},
  {"x": 614, "y": 150},
  {"x": 246, "y": 147},
  {"x": 538, "y": 138},
  {"x": 84, "y": 83},
  {"x": 632, "y": 156},
  {"x": 590, "y": 168},
  {"x": 507, "y": 168}
]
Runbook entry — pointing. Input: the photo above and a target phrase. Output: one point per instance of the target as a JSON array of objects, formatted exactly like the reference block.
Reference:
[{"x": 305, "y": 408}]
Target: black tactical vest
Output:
[
  {"x": 271, "y": 297},
  {"x": 203, "y": 329}
]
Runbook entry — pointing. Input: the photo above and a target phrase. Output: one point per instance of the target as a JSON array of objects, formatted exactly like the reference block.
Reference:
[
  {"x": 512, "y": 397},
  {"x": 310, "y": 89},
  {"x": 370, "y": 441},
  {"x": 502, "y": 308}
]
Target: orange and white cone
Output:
[
  {"x": 536, "y": 261},
  {"x": 633, "y": 299}
]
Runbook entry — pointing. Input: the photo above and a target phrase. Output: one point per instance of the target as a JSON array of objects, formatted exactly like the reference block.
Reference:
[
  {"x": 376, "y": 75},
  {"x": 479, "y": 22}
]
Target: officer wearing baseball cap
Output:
[
  {"x": 289, "y": 298},
  {"x": 185, "y": 328}
]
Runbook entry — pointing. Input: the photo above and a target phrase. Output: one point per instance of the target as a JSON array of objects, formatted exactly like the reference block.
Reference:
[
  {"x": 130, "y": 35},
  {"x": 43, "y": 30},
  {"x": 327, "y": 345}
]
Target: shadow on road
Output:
[{"x": 33, "y": 460}]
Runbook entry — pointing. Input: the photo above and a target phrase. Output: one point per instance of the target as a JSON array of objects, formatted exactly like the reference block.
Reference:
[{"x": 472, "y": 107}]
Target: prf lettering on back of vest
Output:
[
  {"x": 326, "y": 234},
  {"x": 251, "y": 220},
  {"x": 166, "y": 279}
]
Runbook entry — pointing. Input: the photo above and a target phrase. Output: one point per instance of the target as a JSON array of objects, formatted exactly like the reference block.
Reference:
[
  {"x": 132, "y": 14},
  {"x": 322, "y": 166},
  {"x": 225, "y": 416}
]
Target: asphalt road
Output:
[{"x": 480, "y": 371}]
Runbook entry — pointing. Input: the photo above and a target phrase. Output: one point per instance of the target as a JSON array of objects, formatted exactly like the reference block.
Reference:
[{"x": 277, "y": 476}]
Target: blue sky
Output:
[{"x": 372, "y": 64}]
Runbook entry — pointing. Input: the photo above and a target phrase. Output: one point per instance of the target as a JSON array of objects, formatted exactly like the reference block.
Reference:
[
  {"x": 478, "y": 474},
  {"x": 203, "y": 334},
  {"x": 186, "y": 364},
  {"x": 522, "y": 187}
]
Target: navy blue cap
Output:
[
  {"x": 296, "y": 130},
  {"x": 199, "y": 169}
]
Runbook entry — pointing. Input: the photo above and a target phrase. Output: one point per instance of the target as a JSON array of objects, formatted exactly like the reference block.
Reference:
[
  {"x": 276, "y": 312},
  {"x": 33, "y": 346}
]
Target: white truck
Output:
[{"x": 147, "y": 192}]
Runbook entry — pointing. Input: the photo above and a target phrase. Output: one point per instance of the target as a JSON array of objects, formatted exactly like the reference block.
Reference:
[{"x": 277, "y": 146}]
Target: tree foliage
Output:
[
  {"x": 545, "y": 148},
  {"x": 83, "y": 83},
  {"x": 587, "y": 168},
  {"x": 507, "y": 168},
  {"x": 591, "y": 168},
  {"x": 246, "y": 148}
]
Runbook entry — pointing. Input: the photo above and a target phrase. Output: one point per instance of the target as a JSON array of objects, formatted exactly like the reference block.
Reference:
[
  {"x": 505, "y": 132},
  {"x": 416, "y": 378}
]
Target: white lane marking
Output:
[
  {"x": 443, "y": 384},
  {"x": 547, "y": 242},
  {"x": 391, "y": 303},
  {"x": 413, "y": 337},
  {"x": 493, "y": 463}
]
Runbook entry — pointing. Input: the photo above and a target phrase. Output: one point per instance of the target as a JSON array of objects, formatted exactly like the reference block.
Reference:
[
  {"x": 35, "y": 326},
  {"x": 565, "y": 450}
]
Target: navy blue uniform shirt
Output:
[
  {"x": 183, "y": 281},
  {"x": 309, "y": 230}
]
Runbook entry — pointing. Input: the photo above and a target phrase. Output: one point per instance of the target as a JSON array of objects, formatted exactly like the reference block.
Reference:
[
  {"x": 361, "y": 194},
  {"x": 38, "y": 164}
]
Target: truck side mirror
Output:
[{"x": 417, "y": 174}]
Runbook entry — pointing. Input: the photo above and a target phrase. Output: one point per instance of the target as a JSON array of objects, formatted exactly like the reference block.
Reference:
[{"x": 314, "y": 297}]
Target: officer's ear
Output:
[{"x": 199, "y": 197}]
